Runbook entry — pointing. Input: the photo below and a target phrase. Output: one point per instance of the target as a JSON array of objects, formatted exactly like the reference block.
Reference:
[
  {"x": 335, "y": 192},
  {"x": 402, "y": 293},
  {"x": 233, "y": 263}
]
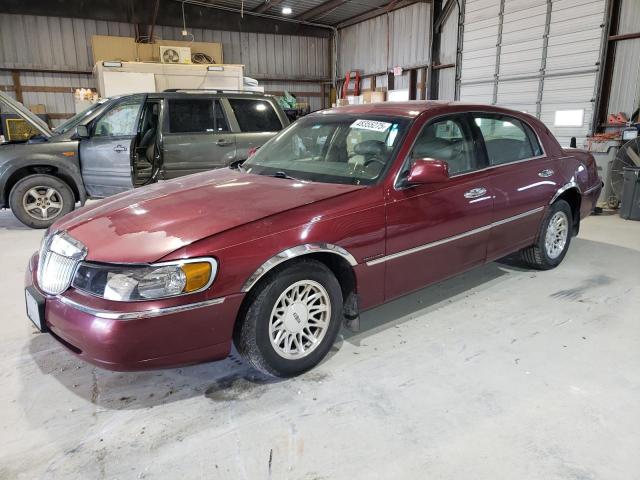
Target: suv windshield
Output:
[
  {"x": 351, "y": 149},
  {"x": 78, "y": 117}
]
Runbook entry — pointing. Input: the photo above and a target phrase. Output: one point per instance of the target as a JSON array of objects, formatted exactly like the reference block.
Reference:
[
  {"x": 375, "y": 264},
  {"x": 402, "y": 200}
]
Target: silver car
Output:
[{"x": 126, "y": 142}]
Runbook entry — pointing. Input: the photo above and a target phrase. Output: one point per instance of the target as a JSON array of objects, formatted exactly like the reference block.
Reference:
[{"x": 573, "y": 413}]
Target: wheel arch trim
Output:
[
  {"x": 567, "y": 186},
  {"x": 295, "y": 252}
]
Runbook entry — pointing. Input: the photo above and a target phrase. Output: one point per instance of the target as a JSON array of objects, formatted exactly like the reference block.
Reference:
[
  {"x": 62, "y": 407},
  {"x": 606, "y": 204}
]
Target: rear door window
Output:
[
  {"x": 191, "y": 115},
  {"x": 255, "y": 115},
  {"x": 507, "y": 139}
]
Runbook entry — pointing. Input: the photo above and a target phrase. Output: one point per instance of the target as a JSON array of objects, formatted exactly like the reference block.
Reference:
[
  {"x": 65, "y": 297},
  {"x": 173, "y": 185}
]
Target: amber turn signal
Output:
[{"x": 197, "y": 274}]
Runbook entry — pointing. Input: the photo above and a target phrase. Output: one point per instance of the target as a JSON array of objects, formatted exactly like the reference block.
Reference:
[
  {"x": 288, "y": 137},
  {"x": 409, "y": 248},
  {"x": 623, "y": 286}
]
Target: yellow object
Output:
[
  {"x": 198, "y": 275},
  {"x": 18, "y": 129}
]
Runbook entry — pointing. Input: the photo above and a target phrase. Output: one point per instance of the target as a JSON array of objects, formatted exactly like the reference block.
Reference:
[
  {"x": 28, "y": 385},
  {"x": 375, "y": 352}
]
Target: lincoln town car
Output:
[{"x": 342, "y": 211}]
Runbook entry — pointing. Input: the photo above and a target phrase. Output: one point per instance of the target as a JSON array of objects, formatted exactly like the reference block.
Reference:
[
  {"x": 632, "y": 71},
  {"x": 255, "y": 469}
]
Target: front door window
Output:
[
  {"x": 447, "y": 140},
  {"x": 120, "y": 121}
]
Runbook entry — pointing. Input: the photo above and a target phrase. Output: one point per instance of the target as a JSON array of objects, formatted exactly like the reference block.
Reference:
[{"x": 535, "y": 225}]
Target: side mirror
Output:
[
  {"x": 428, "y": 170},
  {"x": 81, "y": 132}
]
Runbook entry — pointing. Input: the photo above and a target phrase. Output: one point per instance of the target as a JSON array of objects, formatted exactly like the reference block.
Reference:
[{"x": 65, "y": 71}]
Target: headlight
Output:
[{"x": 145, "y": 282}]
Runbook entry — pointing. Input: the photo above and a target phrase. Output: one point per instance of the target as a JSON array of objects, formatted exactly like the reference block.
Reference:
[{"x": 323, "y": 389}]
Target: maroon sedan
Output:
[{"x": 342, "y": 211}]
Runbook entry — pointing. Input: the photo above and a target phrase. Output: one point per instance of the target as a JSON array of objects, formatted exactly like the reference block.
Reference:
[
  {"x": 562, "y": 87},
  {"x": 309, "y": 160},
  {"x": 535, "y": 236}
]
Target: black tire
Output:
[
  {"x": 251, "y": 336},
  {"x": 63, "y": 195},
  {"x": 537, "y": 256}
]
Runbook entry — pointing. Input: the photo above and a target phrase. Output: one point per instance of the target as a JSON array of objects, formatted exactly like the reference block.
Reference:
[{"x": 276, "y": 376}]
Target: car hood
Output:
[
  {"x": 146, "y": 224},
  {"x": 30, "y": 117}
]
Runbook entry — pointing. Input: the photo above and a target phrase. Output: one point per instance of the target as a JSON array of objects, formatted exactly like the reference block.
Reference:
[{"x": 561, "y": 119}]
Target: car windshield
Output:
[
  {"x": 350, "y": 149},
  {"x": 78, "y": 117}
]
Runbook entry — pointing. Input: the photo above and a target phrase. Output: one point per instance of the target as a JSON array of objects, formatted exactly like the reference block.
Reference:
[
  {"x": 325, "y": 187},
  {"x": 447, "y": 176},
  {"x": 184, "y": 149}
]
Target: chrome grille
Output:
[{"x": 59, "y": 257}]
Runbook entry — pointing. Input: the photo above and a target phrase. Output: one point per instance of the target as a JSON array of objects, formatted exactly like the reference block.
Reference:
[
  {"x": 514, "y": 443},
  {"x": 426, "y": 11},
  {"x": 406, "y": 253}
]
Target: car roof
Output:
[
  {"x": 213, "y": 93},
  {"x": 414, "y": 108},
  {"x": 184, "y": 93}
]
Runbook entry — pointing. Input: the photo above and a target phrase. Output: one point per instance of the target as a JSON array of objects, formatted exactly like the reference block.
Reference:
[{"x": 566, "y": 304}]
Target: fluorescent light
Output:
[
  {"x": 214, "y": 68},
  {"x": 287, "y": 11},
  {"x": 112, "y": 64}
]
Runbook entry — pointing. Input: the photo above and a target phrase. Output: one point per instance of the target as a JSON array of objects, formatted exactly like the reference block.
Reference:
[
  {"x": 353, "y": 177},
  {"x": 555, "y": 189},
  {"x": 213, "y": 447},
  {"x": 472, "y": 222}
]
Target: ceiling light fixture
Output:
[{"x": 287, "y": 11}]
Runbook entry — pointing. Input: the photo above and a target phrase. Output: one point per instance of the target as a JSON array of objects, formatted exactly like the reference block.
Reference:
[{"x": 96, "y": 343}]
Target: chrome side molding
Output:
[
  {"x": 295, "y": 252},
  {"x": 454, "y": 237},
  {"x": 135, "y": 315}
]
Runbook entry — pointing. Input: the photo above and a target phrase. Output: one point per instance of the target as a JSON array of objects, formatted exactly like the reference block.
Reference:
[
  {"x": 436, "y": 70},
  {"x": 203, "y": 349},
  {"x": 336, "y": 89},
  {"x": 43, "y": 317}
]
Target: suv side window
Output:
[
  {"x": 506, "y": 139},
  {"x": 450, "y": 140},
  {"x": 121, "y": 120},
  {"x": 191, "y": 115},
  {"x": 255, "y": 115}
]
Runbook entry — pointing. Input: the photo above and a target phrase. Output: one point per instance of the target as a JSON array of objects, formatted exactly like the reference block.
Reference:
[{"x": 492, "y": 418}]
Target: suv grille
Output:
[{"x": 60, "y": 254}]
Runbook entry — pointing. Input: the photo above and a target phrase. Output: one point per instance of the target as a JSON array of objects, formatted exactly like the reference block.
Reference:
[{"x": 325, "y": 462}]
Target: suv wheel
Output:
[
  {"x": 292, "y": 319},
  {"x": 39, "y": 200}
]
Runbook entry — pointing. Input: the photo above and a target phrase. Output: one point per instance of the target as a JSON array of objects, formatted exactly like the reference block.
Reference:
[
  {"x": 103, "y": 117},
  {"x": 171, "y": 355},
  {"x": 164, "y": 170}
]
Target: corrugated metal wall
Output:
[
  {"x": 625, "y": 84},
  {"x": 65, "y": 44},
  {"x": 539, "y": 56},
  {"x": 363, "y": 46},
  {"x": 448, "y": 54}
]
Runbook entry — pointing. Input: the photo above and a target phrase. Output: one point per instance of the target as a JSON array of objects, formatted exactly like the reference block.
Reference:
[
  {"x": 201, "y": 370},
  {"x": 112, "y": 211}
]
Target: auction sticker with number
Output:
[{"x": 372, "y": 125}]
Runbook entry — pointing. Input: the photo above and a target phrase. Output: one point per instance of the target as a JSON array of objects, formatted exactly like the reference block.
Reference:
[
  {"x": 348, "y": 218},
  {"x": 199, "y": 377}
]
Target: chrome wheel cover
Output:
[
  {"x": 299, "y": 319},
  {"x": 42, "y": 203},
  {"x": 557, "y": 234}
]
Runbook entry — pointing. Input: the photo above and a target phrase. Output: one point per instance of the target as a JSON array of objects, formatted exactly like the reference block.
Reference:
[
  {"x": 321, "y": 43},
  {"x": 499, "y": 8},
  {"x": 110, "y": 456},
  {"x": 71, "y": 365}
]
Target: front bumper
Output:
[
  {"x": 140, "y": 335},
  {"x": 590, "y": 199}
]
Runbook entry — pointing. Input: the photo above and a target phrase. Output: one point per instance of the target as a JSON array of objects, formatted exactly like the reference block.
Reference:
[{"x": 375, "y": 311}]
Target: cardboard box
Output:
[
  {"x": 373, "y": 97},
  {"x": 125, "y": 49},
  {"x": 38, "y": 108},
  {"x": 353, "y": 100}
]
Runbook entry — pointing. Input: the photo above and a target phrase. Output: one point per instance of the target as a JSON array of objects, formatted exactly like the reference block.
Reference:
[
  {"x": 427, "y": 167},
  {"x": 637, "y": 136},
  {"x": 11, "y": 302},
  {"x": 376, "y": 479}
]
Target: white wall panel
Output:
[
  {"x": 449, "y": 37},
  {"x": 363, "y": 46},
  {"x": 447, "y": 84},
  {"x": 529, "y": 80},
  {"x": 625, "y": 83}
]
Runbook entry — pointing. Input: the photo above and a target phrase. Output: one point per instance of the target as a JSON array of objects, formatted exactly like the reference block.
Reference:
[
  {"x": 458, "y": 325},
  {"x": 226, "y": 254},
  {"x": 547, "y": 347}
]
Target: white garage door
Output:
[{"x": 538, "y": 56}]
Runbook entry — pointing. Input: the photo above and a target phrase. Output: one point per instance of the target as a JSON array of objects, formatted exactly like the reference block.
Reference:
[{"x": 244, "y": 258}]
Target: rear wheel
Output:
[
  {"x": 553, "y": 240},
  {"x": 292, "y": 319},
  {"x": 39, "y": 200}
]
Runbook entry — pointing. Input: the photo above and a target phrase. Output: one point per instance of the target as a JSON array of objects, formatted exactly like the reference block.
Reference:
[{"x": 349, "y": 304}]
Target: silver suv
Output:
[{"x": 126, "y": 142}]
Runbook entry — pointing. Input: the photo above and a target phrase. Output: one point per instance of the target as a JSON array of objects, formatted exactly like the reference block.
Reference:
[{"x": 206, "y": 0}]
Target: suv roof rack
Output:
[{"x": 210, "y": 90}]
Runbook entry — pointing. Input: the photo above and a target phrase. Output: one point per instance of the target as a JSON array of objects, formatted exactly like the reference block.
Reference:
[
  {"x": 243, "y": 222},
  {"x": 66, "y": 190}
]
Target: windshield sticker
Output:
[{"x": 372, "y": 125}]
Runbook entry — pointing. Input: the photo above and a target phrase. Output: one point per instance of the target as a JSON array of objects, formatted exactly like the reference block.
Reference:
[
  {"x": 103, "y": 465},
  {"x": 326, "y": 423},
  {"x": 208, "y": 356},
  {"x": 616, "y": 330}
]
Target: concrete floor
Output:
[{"x": 499, "y": 373}]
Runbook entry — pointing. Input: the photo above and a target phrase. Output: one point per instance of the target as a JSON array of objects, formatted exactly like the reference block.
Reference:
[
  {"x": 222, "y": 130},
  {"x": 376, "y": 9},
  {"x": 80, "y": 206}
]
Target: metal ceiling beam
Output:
[
  {"x": 321, "y": 9},
  {"x": 267, "y": 5},
  {"x": 199, "y": 14}
]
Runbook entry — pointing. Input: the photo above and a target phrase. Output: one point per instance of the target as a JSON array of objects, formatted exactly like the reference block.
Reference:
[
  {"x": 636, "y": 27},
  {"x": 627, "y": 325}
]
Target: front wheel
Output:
[
  {"x": 553, "y": 240},
  {"x": 39, "y": 200},
  {"x": 291, "y": 320}
]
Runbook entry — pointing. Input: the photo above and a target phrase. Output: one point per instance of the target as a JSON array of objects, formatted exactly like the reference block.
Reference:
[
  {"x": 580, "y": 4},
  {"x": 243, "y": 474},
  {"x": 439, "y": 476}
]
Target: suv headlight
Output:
[{"x": 145, "y": 282}]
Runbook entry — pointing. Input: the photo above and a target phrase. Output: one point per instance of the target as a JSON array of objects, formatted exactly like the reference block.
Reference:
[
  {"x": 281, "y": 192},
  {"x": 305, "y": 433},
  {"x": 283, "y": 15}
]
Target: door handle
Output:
[
  {"x": 119, "y": 149},
  {"x": 475, "y": 192},
  {"x": 545, "y": 173},
  {"x": 223, "y": 143}
]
